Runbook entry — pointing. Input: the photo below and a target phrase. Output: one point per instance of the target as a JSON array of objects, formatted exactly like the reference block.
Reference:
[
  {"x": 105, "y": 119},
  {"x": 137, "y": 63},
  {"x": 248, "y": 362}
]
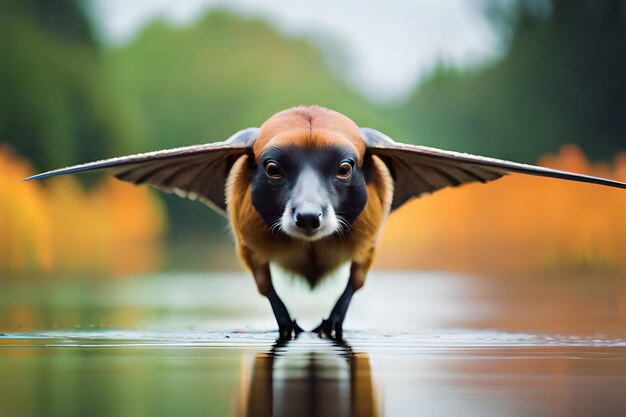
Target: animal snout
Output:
[{"x": 309, "y": 221}]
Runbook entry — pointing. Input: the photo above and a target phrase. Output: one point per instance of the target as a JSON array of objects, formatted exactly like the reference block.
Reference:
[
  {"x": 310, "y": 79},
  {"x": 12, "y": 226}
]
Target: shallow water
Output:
[{"x": 416, "y": 344}]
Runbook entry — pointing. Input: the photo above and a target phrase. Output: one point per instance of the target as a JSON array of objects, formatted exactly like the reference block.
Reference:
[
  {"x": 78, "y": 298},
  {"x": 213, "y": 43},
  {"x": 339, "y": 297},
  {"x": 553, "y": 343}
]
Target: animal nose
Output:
[{"x": 308, "y": 221}]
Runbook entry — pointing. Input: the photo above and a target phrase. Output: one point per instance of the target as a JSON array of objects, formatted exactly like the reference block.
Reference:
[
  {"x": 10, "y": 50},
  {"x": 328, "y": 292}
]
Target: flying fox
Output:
[{"x": 309, "y": 191}]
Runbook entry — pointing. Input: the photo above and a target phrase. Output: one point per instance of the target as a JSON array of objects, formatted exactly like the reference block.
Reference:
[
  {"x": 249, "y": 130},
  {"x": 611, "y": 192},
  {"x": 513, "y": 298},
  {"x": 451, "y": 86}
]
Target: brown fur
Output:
[
  {"x": 257, "y": 246},
  {"x": 310, "y": 126}
]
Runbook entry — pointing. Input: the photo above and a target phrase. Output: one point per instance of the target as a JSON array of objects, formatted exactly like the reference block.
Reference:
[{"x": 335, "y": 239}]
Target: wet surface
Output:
[{"x": 178, "y": 346}]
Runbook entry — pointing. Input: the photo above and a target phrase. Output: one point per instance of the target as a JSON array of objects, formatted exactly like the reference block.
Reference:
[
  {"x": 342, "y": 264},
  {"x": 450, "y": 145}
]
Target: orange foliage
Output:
[
  {"x": 114, "y": 228},
  {"x": 517, "y": 224},
  {"x": 25, "y": 230}
]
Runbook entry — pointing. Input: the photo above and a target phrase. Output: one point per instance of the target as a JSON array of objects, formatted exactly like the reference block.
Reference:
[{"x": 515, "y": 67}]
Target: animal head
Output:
[{"x": 308, "y": 178}]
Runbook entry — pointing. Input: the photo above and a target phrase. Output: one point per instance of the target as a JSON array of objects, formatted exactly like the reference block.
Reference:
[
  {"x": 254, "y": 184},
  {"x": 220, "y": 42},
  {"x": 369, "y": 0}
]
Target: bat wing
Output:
[
  {"x": 420, "y": 170},
  {"x": 196, "y": 172}
]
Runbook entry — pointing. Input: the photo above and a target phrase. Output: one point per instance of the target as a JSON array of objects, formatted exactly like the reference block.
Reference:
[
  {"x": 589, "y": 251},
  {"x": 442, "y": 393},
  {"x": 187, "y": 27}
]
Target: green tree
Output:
[
  {"x": 57, "y": 104},
  {"x": 203, "y": 82},
  {"x": 561, "y": 81}
]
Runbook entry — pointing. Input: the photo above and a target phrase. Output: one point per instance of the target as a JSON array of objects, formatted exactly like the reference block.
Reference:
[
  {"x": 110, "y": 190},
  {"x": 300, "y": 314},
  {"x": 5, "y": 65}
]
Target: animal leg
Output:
[
  {"x": 332, "y": 327},
  {"x": 287, "y": 328}
]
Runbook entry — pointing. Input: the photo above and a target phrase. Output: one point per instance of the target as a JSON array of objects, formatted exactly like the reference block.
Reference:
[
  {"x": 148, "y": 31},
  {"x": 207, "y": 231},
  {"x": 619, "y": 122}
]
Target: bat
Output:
[{"x": 309, "y": 190}]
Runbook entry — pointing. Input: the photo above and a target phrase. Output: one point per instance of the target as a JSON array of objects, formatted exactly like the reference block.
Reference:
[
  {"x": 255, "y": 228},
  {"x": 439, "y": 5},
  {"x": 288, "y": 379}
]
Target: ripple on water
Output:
[{"x": 370, "y": 341}]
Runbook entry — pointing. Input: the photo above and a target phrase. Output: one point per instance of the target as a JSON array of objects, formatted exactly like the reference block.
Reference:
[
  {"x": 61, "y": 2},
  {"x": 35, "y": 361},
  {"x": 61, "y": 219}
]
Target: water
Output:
[{"x": 417, "y": 344}]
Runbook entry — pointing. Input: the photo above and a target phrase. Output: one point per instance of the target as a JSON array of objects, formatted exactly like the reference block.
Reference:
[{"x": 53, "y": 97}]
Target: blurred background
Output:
[
  {"x": 534, "y": 81},
  {"x": 483, "y": 300}
]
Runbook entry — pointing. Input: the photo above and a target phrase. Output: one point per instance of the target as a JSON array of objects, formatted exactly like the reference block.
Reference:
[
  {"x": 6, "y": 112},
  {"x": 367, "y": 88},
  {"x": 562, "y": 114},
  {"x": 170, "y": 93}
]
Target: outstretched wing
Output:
[
  {"x": 196, "y": 172},
  {"x": 419, "y": 170}
]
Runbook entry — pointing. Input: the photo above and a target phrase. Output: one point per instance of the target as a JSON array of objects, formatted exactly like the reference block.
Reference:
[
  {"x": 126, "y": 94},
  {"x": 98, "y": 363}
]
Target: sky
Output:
[{"x": 390, "y": 45}]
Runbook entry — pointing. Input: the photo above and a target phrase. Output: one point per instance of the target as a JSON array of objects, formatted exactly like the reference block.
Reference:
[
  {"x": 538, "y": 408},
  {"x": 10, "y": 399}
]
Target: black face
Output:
[{"x": 308, "y": 193}]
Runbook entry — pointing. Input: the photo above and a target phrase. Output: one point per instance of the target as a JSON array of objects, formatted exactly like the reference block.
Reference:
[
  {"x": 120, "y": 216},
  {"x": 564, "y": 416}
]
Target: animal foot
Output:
[
  {"x": 289, "y": 331},
  {"x": 331, "y": 329}
]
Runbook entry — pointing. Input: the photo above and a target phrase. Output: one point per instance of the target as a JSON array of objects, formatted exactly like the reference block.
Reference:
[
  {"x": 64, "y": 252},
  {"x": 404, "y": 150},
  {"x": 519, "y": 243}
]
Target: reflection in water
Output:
[
  {"x": 555, "y": 346},
  {"x": 307, "y": 377},
  {"x": 447, "y": 373}
]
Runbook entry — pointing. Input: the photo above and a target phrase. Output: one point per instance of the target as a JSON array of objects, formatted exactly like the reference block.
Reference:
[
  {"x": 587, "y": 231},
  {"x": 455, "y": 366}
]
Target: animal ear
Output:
[
  {"x": 419, "y": 170},
  {"x": 197, "y": 172}
]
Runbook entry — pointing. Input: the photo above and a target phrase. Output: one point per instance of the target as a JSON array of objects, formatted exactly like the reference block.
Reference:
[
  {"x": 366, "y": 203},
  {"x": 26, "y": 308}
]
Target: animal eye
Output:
[
  {"x": 345, "y": 170},
  {"x": 272, "y": 170}
]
